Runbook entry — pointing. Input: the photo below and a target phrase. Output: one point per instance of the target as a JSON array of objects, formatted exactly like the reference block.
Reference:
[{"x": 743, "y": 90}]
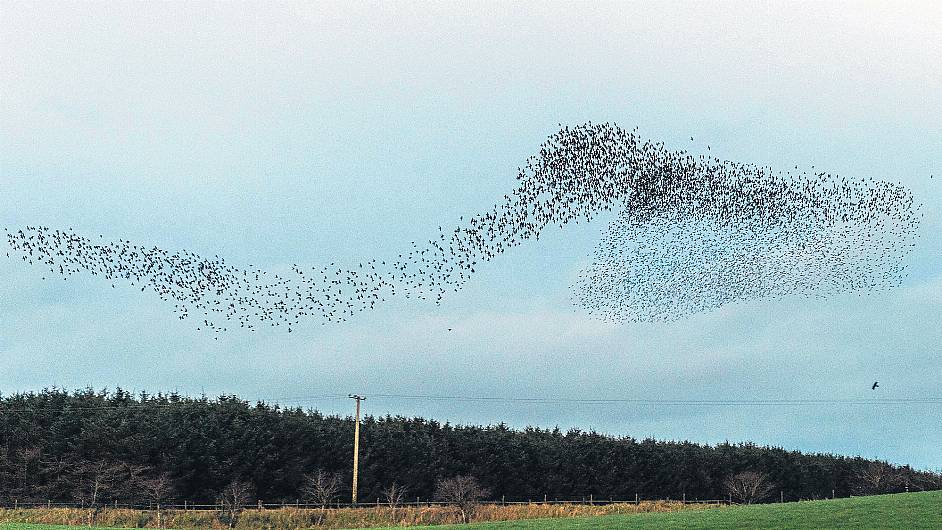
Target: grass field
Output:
[{"x": 901, "y": 511}]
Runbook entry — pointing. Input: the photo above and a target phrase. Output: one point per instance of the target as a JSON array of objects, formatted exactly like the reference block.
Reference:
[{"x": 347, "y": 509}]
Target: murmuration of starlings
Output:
[{"x": 687, "y": 234}]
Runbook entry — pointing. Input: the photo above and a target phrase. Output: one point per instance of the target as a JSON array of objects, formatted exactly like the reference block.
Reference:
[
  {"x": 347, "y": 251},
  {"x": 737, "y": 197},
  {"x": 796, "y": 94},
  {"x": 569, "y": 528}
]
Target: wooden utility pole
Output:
[{"x": 356, "y": 445}]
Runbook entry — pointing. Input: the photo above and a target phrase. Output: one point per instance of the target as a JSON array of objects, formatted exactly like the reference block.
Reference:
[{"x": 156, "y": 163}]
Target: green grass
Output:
[{"x": 901, "y": 511}]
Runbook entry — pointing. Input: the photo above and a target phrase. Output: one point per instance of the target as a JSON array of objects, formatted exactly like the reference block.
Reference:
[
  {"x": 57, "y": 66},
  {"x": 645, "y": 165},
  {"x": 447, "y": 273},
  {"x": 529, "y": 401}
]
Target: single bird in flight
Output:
[{"x": 875, "y": 385}]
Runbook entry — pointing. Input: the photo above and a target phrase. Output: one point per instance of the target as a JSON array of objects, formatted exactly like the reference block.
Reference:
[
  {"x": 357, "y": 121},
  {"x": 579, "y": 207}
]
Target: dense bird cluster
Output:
[{"x": 691, "y": 233}]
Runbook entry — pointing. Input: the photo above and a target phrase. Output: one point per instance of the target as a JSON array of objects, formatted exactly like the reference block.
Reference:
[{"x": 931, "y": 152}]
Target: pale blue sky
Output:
[{"x": 292, "y": 133}]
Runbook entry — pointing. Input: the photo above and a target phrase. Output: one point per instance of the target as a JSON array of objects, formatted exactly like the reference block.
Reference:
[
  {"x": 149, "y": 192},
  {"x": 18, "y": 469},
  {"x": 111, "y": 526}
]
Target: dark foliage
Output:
[{"x": 107, "y": 446}]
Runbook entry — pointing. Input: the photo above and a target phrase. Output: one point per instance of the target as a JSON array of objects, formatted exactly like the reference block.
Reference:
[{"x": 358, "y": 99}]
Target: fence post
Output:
[
  {"x": 636, "y": 499},
  {"x": 48, "y": 503},
  {"x": 782, "y": 496},
  {"x": 544, "y": 498},
  {"x": 502, "y": 503},
  {"x": 684, "y": 498}
]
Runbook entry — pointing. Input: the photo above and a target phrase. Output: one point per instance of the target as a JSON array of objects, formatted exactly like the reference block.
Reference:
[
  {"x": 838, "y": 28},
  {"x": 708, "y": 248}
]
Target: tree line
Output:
[{"x": 99, "y": 447}]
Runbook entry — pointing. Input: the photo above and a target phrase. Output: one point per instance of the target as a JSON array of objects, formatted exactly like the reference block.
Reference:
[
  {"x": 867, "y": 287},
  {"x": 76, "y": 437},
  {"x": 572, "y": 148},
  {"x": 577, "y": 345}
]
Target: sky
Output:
[{"x": 284, "y": 133}]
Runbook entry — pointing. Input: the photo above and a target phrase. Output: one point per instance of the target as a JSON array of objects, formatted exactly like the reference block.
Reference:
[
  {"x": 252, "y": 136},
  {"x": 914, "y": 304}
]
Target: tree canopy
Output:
[{"x": 76, "y": 446}]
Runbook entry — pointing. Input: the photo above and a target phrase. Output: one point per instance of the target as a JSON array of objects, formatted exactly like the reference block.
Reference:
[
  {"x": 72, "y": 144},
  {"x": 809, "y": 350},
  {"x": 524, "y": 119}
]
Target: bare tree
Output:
[
  {"x": 877, "y": 477},
  {"x": 321, "y": 487},
  {"x": 97, "y": 480},
  {"x": 231, "y": 500},
  {"x": 748, "y": 487},
  {"x": 156, "y": 489},
  {"x": 146, "y": 483},
  {"x": 463, "y": 492},
  {"x": 394, "y": 495}
]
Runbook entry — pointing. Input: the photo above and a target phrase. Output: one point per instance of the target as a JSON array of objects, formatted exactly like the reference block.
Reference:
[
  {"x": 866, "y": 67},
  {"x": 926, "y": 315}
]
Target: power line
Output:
[
  {"x": 181, "y": 401},
  {"x": 519, "y": 400},
  {"x": 645, "y": 401}
]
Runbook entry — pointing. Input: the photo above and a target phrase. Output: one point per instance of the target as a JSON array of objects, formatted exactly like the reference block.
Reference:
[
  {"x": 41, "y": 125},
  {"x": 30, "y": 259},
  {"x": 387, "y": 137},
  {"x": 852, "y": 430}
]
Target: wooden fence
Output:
[{"x": 260, "y": 505}]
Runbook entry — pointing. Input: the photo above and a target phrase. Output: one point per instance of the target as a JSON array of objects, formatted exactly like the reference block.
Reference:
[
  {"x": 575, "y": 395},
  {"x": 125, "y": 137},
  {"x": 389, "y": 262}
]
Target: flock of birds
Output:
[{"x": 691, "y": 233}]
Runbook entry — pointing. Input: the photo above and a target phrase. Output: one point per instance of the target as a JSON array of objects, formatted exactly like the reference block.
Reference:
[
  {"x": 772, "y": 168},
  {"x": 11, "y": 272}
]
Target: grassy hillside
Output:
[{"x": 909, "y": 510}]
